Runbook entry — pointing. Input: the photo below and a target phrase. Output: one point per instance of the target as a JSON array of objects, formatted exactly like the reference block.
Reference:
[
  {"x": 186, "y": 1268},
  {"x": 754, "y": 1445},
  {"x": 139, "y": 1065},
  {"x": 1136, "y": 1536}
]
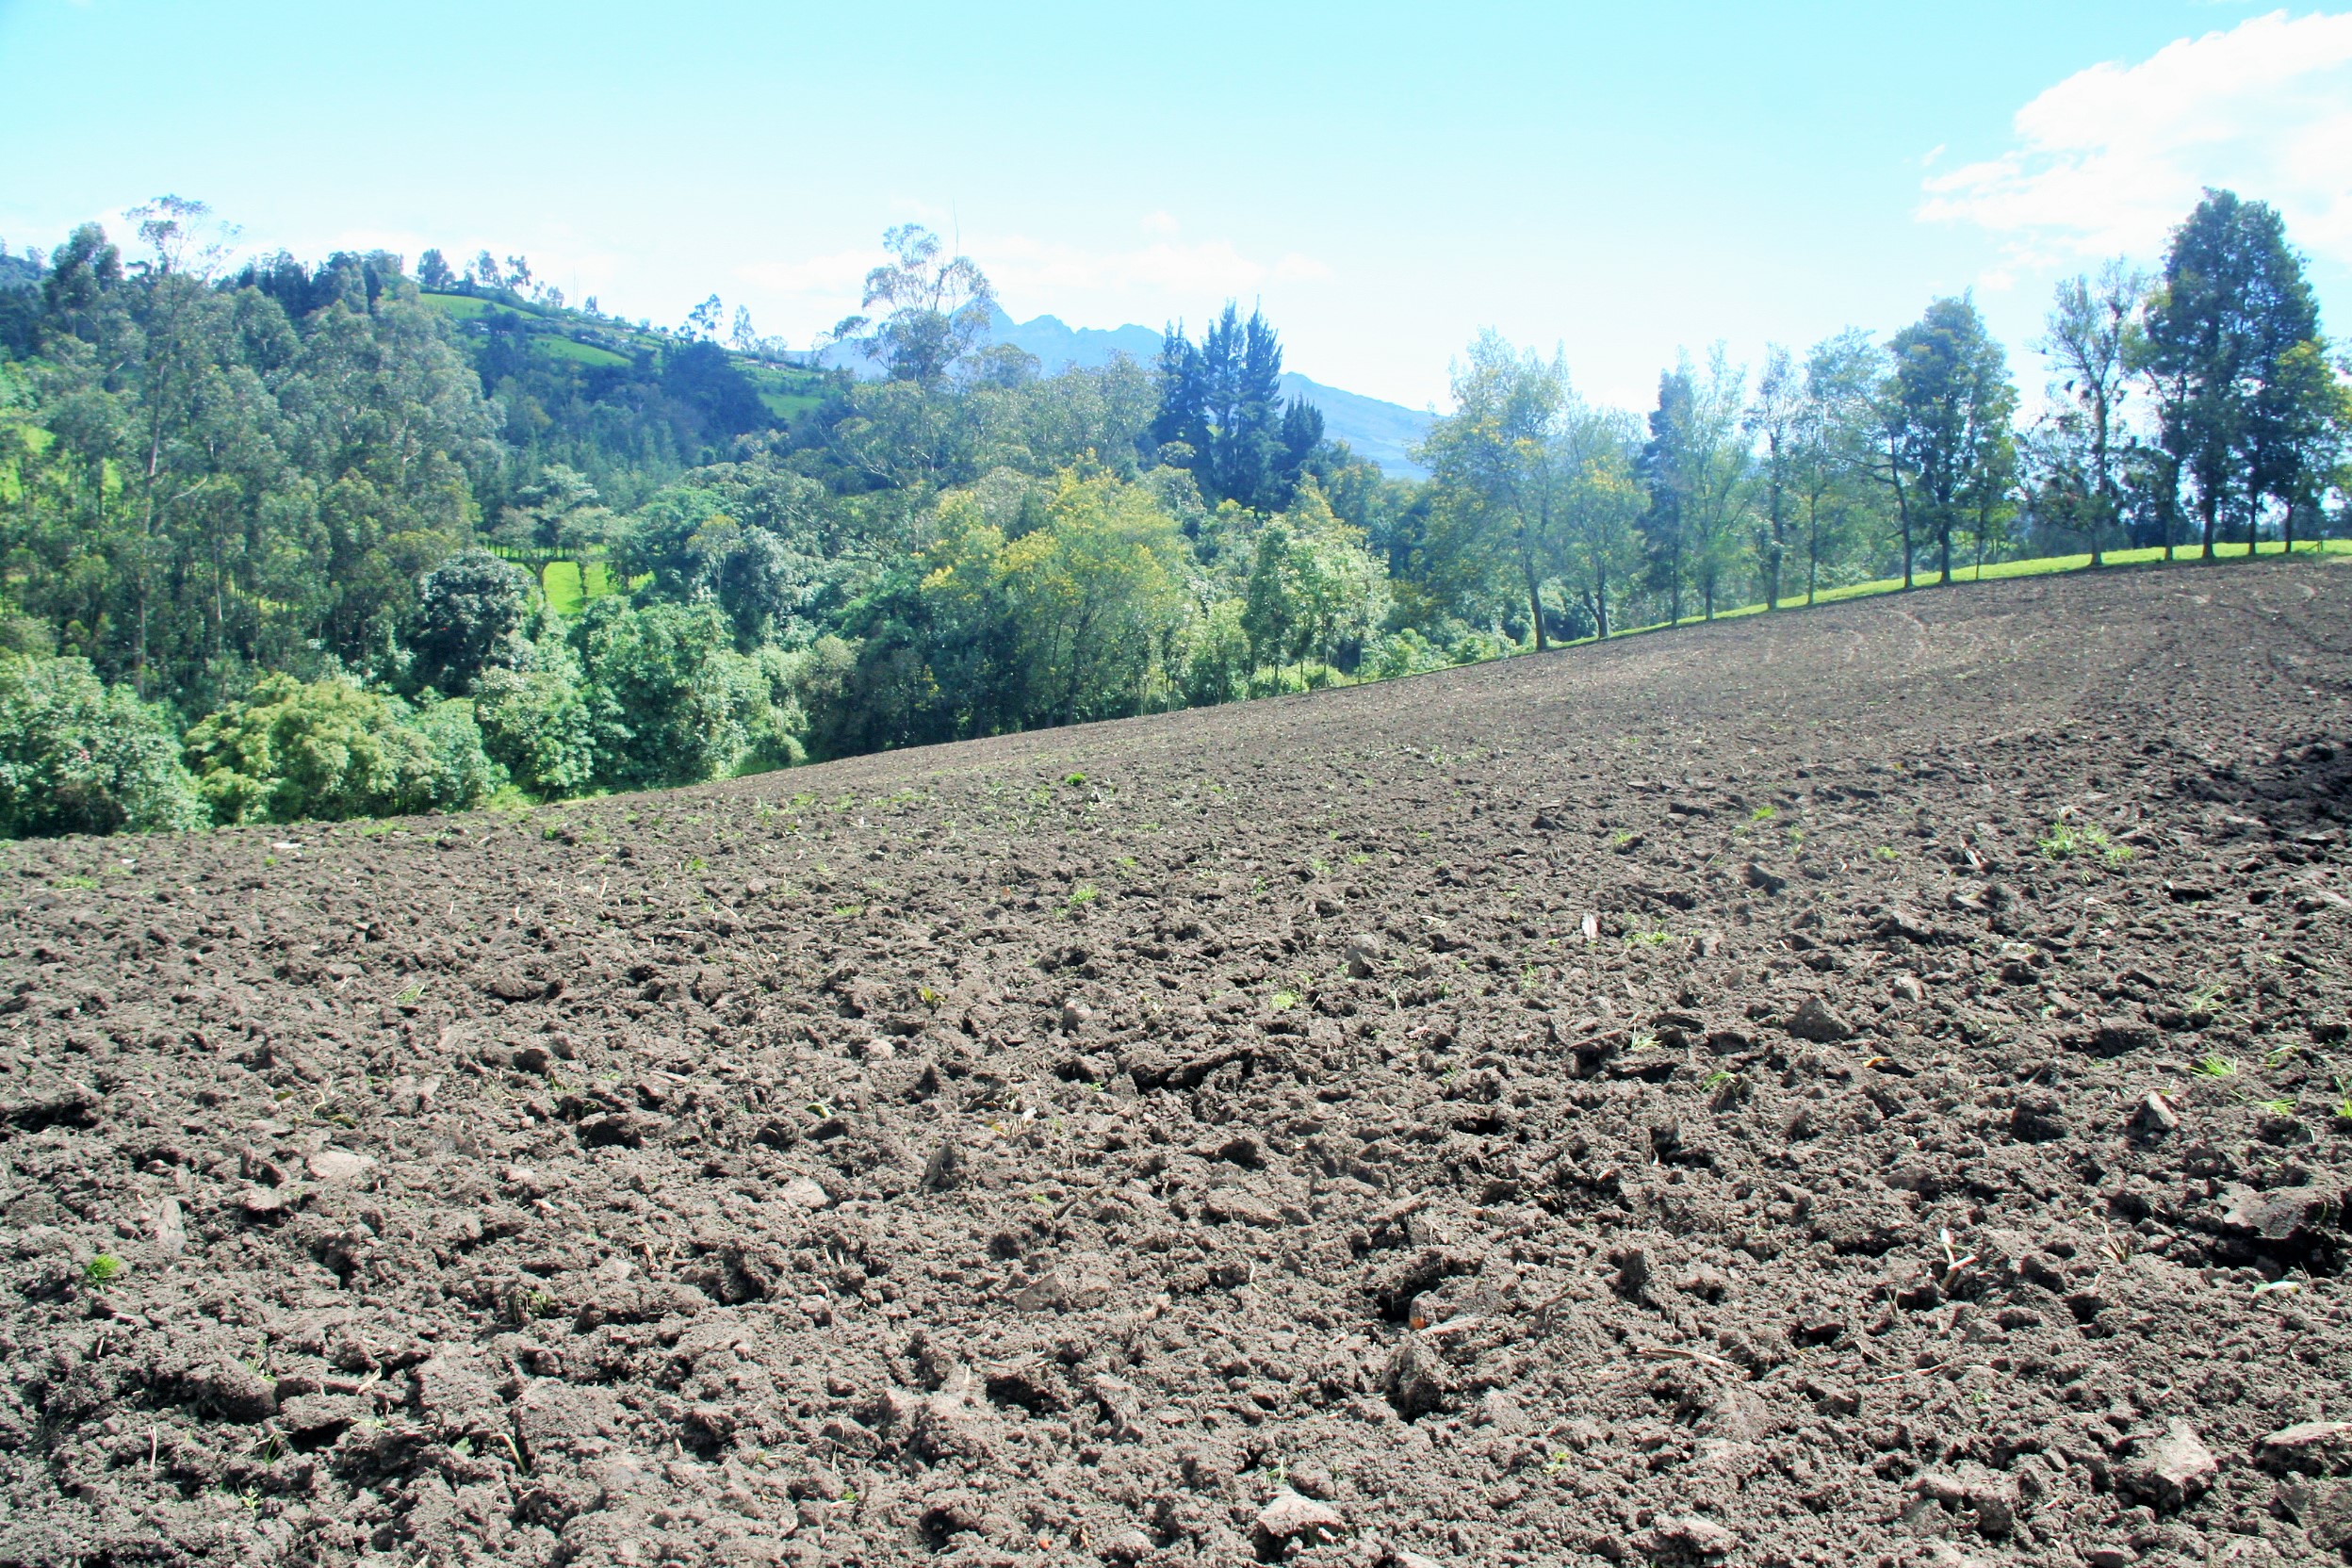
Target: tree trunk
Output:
[
  {"x": 146, "y": 533},
  {"x": 1812, "y": 546},
  {"x": 2102, "y": 501},
  {"x": 2171, "y": 511},
  {"x": 1902, "y": 512},
  {"x": 1535, "y": 599}
]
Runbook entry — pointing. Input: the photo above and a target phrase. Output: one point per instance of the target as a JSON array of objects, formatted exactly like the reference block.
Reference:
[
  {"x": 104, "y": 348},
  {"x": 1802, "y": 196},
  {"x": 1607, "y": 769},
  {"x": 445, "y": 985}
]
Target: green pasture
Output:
[{"x": 571, "y": 584}]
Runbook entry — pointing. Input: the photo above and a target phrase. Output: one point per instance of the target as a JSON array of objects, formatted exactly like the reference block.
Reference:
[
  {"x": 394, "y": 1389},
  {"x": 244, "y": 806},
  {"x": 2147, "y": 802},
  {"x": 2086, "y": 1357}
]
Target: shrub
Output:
[
  {"x": 328, "y": 750},
  {"x": 78, "y": 757},
  {"x": 462, "y": 774},
  {"x": 670, "y": 700},
  {"x": 1402, "y": 652},
  {"x": 535, "y": 721},
  {"x": 1216, "y": 655}
]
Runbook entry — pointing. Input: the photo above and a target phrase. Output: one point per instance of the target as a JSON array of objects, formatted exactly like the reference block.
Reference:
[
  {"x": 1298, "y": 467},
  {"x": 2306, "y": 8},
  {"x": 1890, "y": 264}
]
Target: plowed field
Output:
[{"x": 1859, "y": 1086}]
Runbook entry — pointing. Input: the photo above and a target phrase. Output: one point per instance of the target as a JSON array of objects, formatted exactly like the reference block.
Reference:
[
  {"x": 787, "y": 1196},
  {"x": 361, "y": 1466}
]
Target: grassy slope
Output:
[
  {"x": 567, "y": 335},
  {"x": 2041, "y": 566}
]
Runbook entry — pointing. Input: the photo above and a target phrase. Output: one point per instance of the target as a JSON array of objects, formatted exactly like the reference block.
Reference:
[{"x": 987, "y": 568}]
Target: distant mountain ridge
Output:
[{"x": 1384, "y": 432}]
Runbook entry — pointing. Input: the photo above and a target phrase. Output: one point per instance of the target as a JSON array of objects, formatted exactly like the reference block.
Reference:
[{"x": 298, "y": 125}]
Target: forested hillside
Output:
[{"x": 282, "y": 539}]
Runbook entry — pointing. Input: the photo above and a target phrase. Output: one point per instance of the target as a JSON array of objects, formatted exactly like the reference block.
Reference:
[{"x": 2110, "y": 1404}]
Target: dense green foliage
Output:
[
  {"x": 381, "y": 543},
  {"x": 78, "y": 757},
  {"x": 287, "y": 752}
]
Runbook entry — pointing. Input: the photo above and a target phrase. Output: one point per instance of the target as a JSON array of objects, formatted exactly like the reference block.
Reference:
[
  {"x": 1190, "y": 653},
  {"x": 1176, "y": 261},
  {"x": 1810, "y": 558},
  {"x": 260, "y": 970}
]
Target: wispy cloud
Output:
[
  {"x": 2109, "y": 159},
  {"x": 843, "y": 273}
]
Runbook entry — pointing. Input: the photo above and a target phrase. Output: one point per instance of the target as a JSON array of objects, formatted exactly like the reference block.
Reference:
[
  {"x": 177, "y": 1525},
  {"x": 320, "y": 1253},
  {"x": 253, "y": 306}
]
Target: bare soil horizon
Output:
[{"x": 1852, "y": 1086}]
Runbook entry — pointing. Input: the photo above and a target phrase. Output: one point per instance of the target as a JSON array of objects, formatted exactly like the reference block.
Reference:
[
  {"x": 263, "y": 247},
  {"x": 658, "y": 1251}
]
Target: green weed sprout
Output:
[
  {"x": 1886, "y": 852},
  {"x": 2065, "y": 840},
  {"x": 1086, "y": 892},
  {"x": 1283, "y": 999},
  {"x": 104, "y": 1269},
  {"x": 2216, "y": 1066}
]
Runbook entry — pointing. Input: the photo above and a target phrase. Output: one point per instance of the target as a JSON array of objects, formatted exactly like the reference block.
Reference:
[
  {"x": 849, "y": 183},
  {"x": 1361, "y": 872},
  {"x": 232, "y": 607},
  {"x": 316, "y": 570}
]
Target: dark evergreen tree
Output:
[
  {"x": 1949, "y": 405},
  {"x": 1222, "y": 402},
  {"x": 467, "y": 607},
  {"x": 2235, "y": 325}
]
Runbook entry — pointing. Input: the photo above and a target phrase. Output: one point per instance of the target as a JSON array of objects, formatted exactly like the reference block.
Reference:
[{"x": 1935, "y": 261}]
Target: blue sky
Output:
[{"x": 1622, "y": 181}]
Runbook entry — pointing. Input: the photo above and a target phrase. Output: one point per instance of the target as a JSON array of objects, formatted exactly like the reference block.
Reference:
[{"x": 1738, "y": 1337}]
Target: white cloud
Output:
[
  {"x": 824, "y": 277},
  {"x": 1164, "y": 269},
  {"x": 2108, "y": 160}
]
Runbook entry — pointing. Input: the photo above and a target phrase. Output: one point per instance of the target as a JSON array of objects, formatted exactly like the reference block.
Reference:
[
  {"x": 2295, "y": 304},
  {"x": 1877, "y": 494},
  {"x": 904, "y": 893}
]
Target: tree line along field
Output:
[
  {"x": 1858, "y": 1087},
  {"x": 259, "y": 523}
]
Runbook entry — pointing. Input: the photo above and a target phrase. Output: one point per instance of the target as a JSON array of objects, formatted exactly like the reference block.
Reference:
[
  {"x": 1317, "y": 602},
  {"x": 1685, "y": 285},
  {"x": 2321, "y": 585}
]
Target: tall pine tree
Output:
[{"x": 1222, "y": 399}]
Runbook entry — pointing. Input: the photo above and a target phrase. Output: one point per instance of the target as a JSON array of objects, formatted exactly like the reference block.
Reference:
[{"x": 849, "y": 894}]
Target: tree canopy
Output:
[{"x": 283, "y": 538}]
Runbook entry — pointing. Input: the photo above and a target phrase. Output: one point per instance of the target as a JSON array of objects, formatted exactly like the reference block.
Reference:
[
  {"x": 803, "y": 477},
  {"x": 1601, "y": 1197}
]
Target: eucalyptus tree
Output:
[
  {"x": 1832, "y": 471},
  {"x": 1700, "y": 474},
  {"x": 937, "y": 309},
  {"x": 1599, "y": 544},
  {"x": 1497, "y": 472},
  {"x": 2092, "y": 340},
  {"x": 1776, "y": 419}
]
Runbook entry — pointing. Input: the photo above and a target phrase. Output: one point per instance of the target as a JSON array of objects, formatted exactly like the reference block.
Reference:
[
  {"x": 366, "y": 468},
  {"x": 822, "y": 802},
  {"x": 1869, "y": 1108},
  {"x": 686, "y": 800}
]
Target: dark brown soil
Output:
[{"x": 1652, "y": 1104}]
